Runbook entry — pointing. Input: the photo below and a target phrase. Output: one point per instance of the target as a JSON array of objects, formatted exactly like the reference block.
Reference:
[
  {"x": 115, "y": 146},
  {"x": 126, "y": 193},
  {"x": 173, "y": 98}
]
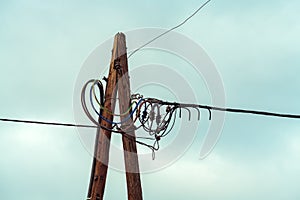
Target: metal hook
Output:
[
  {"x": 179, "y": 112},
  {"x": 209, "y": 113},
  {"x": 189, "y": 112},
  {"x": 198, "y": 112}
]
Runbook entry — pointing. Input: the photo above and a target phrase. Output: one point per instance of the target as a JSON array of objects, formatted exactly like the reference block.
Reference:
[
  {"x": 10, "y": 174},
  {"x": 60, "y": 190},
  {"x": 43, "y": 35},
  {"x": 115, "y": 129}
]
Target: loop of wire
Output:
[{"x": 155, "y": 117}]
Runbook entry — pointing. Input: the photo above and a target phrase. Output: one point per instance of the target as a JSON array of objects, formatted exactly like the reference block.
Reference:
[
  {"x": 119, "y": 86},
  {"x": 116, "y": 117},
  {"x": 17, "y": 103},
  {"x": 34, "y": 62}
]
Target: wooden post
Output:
[
  {"x": 99, "y": 169},
  {"x": 134, "y": 188},
  {"x": 118, "y": 79}
]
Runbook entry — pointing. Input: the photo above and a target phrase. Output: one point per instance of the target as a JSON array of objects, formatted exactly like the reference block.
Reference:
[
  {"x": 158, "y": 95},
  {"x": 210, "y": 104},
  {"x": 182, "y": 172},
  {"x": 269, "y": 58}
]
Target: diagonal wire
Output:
[{"x": 169, "y": 30}]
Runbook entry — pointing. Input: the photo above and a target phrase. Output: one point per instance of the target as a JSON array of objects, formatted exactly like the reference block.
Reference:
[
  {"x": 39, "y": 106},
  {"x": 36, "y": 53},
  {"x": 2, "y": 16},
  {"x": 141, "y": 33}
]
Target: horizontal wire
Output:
[
  {"x": 254, "y": 112},
  {"x": 47, "y": 123},
  {"x": 232, "y": 110}
]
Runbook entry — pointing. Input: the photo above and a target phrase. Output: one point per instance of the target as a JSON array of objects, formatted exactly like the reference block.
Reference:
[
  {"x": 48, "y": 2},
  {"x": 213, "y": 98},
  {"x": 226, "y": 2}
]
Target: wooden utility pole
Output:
[
  {"x": 134, "y": 188},
  {"x": 118, "y": 80},
  {"x": 102, "y": 144}
]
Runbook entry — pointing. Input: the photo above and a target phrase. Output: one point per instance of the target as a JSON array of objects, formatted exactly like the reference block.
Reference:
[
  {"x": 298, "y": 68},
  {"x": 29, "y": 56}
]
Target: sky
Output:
[{"x": 254, "y": 46}]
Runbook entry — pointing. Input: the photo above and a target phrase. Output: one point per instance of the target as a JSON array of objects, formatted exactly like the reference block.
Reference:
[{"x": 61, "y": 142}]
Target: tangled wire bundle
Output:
[{"x": 156, "y": 117}]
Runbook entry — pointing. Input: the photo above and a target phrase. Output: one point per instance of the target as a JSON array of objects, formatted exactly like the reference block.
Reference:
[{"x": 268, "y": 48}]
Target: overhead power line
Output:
[
  {"x": 169, "y": 30},
  {"x": 235, "y": 110},
  {"x": 254, "y": 112},
  {"x": 232, "y": 110},
  {"x": 91, "y": 126},
  {"x": 47, "y": 123}
]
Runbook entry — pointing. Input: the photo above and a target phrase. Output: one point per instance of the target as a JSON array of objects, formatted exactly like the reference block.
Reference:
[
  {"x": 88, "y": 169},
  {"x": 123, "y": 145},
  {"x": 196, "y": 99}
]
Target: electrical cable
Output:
[
  {"x": 169, "y": 30},
  {"x": 47, "y": 123},
  {"x": 119, "y": 130},
  {"x": 233, "y": 110},
  {"x": 83, "y": 102},
  {"x": 163, "y": 128},
  {"x": 101, "y": 104}
]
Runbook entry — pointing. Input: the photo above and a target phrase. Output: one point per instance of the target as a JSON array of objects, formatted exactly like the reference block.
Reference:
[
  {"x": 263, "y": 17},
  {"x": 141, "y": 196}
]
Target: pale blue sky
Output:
[{"x": 255, "y": 46}]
